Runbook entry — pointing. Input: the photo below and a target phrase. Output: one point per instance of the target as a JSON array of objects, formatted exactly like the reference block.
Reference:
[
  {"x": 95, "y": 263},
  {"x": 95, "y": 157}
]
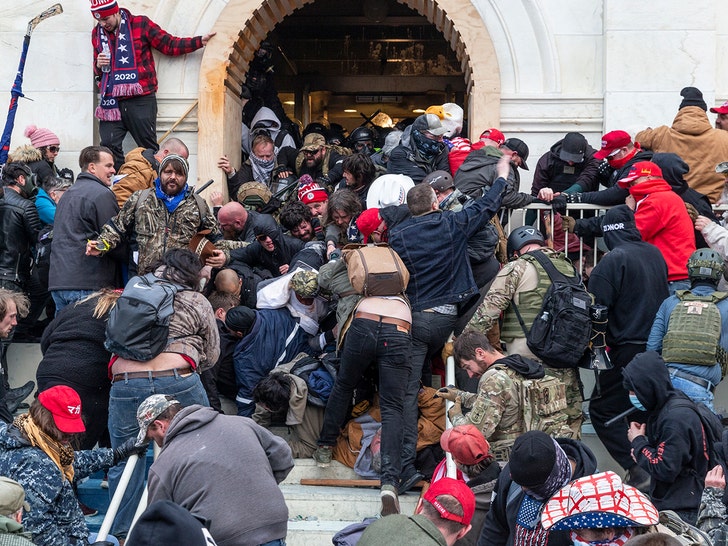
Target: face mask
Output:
[
  {"x": 29, "y": 189},
  {"x": 636, "y": 403},
  {"x": 619, "y": 163},
  {"x": 428, "y": 148}
]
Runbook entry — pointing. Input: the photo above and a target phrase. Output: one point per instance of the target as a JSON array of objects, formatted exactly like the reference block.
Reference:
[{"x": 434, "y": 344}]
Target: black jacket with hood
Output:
[
  {"x": 500, "y": 523},
  {"x": 555, "y": 173},
  {"x": 632, "y": 267},
  {"x": 674, "y": 451}
]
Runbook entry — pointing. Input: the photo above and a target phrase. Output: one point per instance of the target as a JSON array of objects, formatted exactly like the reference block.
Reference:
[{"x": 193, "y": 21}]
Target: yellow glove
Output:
[
  {"x": 447, "y": 351},
  {"x": 448, "y": 393},
  {"x": 692, "y": 212},
  {"x": 455, "y": 410},
  {"x": 568, "y": 223}
]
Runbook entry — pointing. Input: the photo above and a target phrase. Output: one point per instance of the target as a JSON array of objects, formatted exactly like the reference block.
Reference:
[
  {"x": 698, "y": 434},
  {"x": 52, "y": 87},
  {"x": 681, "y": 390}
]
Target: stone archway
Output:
[{"x": 226, "y": 59}]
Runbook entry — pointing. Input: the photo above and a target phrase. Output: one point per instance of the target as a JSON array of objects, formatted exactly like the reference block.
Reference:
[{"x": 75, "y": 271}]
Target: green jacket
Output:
[
  {"x": 402, "y": 530},
  {"x": 11, "y": 533}
]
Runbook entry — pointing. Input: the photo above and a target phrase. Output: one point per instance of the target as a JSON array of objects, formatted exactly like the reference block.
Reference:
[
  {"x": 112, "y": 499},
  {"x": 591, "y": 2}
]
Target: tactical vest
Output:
[
  {"x": 694, "y": 329},
  {"x": 530, "y": 301}
]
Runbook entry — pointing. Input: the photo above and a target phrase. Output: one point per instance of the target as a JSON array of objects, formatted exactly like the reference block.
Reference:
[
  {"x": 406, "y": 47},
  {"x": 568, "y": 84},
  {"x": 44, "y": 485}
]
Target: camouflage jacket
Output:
[
  {"x": 712, "y": 516},
  {"x": 496, "y": 409},
  {"x": 156, "y": 229},
  {"x": 55, "y": 517},
  {"x": 516, "y": 277}
]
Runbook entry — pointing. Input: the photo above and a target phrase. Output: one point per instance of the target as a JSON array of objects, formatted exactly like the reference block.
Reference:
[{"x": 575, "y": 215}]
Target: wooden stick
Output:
[{"x": 174, "y": 126}]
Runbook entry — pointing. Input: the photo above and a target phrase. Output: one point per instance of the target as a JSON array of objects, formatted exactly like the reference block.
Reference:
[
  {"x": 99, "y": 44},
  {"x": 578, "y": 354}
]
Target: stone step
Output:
[
  {"x": 313, "y": 533},
  {"x": 339, "y": 503}
]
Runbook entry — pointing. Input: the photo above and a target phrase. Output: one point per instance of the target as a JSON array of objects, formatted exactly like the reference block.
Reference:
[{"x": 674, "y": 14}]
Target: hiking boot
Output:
[
  {"x": 638, "y": 478},
  {"x": 14, "y": 397},
  {"x": 390, "y": 501},
  {"x": 323, "y": 456}
]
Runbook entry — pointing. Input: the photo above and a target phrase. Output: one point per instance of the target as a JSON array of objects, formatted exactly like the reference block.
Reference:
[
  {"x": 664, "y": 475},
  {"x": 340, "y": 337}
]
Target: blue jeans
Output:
[
  {"x": 124, "y": 400},
  {"x": 429, "y": 333},
  {"x": 369, "y": 342},
  {"x": 698, "y": 394},
  {"x": 276, "y": 542},
  {"x": 66, "y": 297}
]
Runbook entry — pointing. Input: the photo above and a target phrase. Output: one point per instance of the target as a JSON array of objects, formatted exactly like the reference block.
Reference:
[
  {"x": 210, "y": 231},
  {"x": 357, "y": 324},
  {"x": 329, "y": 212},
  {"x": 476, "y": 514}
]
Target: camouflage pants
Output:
[{"x": 574, "y": 397}]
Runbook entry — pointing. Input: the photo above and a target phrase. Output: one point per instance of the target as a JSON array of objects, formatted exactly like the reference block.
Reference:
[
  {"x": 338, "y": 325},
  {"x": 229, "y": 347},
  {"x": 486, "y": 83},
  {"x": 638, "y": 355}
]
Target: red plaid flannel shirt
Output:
[{"x": 147, "y": 35}]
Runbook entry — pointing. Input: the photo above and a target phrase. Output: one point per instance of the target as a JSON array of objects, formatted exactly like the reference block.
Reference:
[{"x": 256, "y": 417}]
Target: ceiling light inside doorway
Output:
[{"x": 350, "y": 111}]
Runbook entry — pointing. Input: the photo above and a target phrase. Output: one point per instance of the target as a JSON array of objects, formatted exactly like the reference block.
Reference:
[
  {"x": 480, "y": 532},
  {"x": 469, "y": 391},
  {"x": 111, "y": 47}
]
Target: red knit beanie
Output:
[
  {"x": 41, "y": 137},
  {"x": 367, "y": 222},
  {"x": 103, "y": 8}
]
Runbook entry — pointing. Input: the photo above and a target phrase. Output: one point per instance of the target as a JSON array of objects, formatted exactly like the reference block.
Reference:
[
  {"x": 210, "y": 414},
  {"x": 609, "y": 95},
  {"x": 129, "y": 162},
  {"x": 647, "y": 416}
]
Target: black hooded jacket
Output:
[
  {"x": 674, "y": 451},
  {"x": 529, "y": 369},
  {"x": 555, "y": 173},
  {"x": 255, "y": 255},
  {"x": 632, "y": 268},
  {"x": 500, "y": 523}
]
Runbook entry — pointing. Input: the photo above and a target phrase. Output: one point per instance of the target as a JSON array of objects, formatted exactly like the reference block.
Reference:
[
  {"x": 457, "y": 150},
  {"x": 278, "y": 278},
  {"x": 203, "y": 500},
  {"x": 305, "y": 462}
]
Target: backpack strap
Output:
[
  {"x": 201, "y": 207},
  {"x": 553, "y": 273}
]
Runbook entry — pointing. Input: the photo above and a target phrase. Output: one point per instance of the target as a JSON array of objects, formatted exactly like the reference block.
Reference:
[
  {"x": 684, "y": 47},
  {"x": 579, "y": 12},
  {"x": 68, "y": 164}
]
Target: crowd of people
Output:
[{"x": 266, "y": 311}]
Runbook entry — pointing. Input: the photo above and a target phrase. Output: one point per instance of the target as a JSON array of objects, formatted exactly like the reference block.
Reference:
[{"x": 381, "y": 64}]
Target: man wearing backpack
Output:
[
  {"x": 674, "y": 446},
  {"x": 690, "y": 329},
  {"x": 524, "y": 282},
  {"x": 497, "y": 409}
]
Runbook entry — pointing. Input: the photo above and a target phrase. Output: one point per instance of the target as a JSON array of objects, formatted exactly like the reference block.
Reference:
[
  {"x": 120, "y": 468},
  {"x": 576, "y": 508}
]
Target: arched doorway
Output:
[{"x": 225, "y": 62}]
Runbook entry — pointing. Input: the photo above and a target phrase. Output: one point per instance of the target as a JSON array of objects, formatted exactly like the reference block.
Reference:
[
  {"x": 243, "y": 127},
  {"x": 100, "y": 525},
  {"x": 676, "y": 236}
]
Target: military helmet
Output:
[
  {"x": 705, "y": 263},
  {"x": 521, "y": 236},
  {"x": 361, "y": 134},
  {"x": 253, "y": 195}
]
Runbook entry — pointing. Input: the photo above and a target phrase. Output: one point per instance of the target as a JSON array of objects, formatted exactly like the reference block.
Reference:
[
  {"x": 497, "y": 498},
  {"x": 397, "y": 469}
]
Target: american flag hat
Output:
[{"x": 598, "y": 501}]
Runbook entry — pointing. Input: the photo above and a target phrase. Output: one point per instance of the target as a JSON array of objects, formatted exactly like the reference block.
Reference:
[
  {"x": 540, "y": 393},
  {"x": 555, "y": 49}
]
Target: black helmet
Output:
[
  {"x": 361, "y": 134},
  {"x": 521, "y": 236},
  {"x": 705, "y": 263}
]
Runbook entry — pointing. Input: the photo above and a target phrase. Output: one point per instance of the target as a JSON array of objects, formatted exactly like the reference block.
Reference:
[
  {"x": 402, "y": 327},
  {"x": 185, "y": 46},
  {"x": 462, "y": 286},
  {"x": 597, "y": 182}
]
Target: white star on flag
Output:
[
  {"x": 122, "y": 47},
  {"x": 122, "y": 36},
  {"x": 124, "y": 60}
]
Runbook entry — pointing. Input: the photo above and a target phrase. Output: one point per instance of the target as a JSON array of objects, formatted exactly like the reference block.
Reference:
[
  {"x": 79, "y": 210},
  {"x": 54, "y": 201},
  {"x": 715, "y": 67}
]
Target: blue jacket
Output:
[
  {"x": 275, "y": 338},
  {"x": 54, "y": 517},
  {"x": 662, "y": 321},
  {"x": 433, "y": 246},
  {"x": 46, "y": 207}
]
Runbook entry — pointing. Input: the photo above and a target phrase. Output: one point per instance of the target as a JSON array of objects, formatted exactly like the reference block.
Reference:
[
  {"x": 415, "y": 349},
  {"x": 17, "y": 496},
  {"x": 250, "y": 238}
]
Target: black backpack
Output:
[
  {"x": 712, "y": 428},
  {"x": 560, "y": 334},
  {"x": 138, "y": 326}
]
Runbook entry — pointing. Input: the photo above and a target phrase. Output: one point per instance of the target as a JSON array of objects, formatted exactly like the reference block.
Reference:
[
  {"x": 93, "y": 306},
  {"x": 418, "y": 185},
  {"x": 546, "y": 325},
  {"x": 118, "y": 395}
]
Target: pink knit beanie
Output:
[{"x": 41, "y": 137}]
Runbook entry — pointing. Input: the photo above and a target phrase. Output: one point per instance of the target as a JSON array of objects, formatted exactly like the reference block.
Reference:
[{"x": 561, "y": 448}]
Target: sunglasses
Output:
[
  {"x": 311, "y": 153},
  {"x": 54, "y": 149},
  {"x": 261, "y": 238}
]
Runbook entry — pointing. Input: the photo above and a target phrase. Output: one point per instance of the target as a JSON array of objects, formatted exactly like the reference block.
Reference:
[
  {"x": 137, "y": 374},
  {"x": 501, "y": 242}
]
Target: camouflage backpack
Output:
[
  {"x": 544, "y": 405},
  {"x": 693, "y": 333}
]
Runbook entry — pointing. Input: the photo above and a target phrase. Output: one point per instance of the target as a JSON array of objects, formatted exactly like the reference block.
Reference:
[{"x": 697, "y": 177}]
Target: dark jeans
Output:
[
  {"x": 368, "y": 342},
  {"x": 138, "y": 117},
  {"x": 614, "y": 400},
  {"x": 429, "y": 333}
]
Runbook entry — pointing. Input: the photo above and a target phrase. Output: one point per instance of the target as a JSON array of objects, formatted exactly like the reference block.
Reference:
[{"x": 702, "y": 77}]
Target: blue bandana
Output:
[{"x": 170, "y": 201}]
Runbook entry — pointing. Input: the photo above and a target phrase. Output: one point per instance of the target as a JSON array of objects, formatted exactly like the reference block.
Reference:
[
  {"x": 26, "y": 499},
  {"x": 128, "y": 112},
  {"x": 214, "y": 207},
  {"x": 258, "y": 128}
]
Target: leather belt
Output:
[
  {"x": 692, "y": 378},
  {"x": 151, "y": 374},
  {"x": 386, "y": 320}
]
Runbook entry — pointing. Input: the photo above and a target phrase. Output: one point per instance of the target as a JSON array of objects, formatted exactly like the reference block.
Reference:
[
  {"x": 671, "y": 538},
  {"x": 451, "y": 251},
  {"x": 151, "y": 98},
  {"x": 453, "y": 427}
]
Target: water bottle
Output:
[{"x": 105, "y": 51}]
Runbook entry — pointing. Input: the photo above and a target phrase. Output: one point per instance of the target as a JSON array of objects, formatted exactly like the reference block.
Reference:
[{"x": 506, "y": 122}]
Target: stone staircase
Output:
[{"x": 316, "y": 513}]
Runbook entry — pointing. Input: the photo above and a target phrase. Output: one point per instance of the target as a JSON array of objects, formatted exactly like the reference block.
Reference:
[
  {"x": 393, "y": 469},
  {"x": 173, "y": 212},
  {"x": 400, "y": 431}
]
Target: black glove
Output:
[
  {"x": 604, "y": 172},
  {"x": 129, "y": 448},
  {"x": 558, "y": 204},
  {"x": 573, "y": 197}
]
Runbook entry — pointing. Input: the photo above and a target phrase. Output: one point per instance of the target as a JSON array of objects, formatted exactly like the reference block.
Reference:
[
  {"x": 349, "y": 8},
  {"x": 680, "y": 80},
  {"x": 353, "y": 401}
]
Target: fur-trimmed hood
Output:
[{"x": 25, "y": 154}]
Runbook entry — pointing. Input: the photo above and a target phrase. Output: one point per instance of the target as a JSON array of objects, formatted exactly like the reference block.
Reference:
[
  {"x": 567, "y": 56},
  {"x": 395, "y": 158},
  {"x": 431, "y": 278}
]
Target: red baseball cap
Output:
[
  {"x": 65, "y": 405},
  {"x": 722, "y": 109},
  {"x": 493, "y": 134},
  {"x": 612, "y": 141},
  {"x": 638, "y": 170},
  {"x": 466, "y": 443},
  {"x": 457, "y": 489}
]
